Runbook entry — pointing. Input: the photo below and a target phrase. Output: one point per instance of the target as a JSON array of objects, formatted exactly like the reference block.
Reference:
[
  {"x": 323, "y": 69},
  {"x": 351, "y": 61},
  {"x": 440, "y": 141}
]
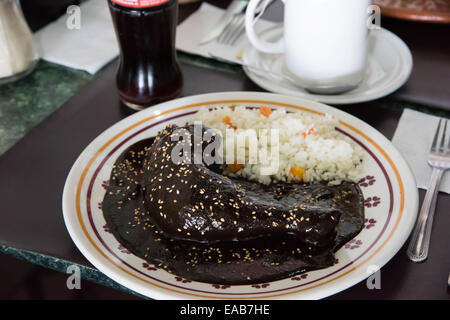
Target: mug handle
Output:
[{"x": 264, "y": 46}]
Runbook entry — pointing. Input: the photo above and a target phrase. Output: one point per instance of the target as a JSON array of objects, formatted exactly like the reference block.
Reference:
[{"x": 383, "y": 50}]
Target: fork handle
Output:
[{"x": 420, "y": 239}]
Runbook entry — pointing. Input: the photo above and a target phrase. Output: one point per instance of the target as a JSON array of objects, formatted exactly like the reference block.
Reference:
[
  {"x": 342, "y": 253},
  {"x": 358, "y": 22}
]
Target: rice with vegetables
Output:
[{"x": 310, "y": 149}]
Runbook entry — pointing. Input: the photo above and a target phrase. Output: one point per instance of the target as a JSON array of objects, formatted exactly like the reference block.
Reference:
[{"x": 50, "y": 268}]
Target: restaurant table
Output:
[{"x": 34, "y": 169}]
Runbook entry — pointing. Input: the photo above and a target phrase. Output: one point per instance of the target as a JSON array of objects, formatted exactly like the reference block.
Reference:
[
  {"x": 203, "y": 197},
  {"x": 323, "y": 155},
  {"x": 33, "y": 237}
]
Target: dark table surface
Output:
[{"x": 33, "y": 173}]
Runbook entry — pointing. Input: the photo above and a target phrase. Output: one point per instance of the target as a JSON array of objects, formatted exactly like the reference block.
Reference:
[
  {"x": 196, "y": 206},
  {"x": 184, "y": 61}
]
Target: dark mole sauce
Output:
[{"x": 256, "y": 260}]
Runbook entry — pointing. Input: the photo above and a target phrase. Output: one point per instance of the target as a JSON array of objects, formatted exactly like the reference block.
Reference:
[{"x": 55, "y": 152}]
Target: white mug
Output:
[{"x": 324, "y": 43}]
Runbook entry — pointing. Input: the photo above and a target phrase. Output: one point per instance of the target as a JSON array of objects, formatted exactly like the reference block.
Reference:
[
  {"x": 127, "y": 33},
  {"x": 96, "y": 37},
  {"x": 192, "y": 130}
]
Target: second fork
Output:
[{"x": 439, "y": 160}]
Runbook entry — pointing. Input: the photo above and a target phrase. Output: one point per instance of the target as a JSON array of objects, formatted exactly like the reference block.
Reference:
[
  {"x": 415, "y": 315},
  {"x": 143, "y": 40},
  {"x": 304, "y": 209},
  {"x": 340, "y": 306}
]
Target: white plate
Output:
[
  {"x": 388, "y": 187},
  {"x": 389, "y": 67}
]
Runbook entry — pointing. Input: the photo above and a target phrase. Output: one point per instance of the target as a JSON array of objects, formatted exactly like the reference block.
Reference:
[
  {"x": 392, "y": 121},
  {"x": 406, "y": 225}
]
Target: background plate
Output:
[{"x": 437, "y": 11}]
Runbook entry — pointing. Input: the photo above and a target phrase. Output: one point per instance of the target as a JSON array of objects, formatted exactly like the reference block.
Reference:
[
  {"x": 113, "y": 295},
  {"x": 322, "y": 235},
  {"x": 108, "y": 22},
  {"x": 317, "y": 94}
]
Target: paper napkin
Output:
[
  {"x": 88, "y": 48},
  {"x": 413, "y": 139}
]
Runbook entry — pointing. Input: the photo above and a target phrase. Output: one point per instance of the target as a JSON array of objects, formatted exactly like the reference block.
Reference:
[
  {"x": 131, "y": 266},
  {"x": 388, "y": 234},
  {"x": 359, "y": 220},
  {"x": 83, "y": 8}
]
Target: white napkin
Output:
[
  {"x": 197, "y": 25},
  {"x": 413, "y": 138},
  {"x": 88, "y": 48}
]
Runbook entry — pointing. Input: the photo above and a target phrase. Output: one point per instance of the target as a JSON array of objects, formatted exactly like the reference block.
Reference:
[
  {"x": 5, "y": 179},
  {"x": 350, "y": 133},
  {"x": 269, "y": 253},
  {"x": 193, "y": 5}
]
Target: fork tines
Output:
[{"x": 440, "y": 138}]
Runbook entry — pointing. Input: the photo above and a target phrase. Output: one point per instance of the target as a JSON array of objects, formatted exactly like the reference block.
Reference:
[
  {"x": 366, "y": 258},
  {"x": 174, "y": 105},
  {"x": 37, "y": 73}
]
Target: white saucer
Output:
[{"x": 389, "y": 66}]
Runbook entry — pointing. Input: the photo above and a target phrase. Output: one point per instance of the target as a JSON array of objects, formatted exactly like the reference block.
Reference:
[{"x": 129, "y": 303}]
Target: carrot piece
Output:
[
  {"x": 265, "y": 111},
  {"x": 308, "y": 132},
  {"x": 235, "y": 167},
  {"x": 227, "y": 121},
  {"x": 298, "y": 172}
]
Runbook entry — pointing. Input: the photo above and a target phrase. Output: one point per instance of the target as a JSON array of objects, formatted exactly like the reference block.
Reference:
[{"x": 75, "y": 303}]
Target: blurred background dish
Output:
[{"x": 437, "y": 11}]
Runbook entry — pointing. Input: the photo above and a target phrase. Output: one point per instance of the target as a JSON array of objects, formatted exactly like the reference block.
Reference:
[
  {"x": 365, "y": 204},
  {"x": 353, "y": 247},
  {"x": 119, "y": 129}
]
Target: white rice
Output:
[{"x": 324, "y": 155}]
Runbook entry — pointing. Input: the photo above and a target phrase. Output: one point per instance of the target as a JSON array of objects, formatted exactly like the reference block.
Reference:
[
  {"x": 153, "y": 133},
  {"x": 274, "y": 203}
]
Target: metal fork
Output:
[
  {"x": 233, "y": 31},
  {"x": 439, "y": 160}
]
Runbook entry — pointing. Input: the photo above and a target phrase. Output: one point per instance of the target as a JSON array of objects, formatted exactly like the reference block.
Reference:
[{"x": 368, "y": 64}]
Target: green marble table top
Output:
[{"x": 27, "y": 102}]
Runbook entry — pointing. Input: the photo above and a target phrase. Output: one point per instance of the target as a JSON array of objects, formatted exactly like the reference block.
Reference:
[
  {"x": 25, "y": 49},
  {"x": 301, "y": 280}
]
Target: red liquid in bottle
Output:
[{"x": 149, "y": 72}]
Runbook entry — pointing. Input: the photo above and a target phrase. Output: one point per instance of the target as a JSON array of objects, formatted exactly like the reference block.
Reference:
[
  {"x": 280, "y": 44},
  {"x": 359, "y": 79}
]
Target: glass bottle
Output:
[{"x": 149, "y": 72}]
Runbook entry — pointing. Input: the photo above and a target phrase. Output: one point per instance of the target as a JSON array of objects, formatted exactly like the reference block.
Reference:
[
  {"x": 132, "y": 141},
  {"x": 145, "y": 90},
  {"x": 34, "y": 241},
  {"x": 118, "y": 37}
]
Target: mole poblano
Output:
[{"x": 194, "y": 222}]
